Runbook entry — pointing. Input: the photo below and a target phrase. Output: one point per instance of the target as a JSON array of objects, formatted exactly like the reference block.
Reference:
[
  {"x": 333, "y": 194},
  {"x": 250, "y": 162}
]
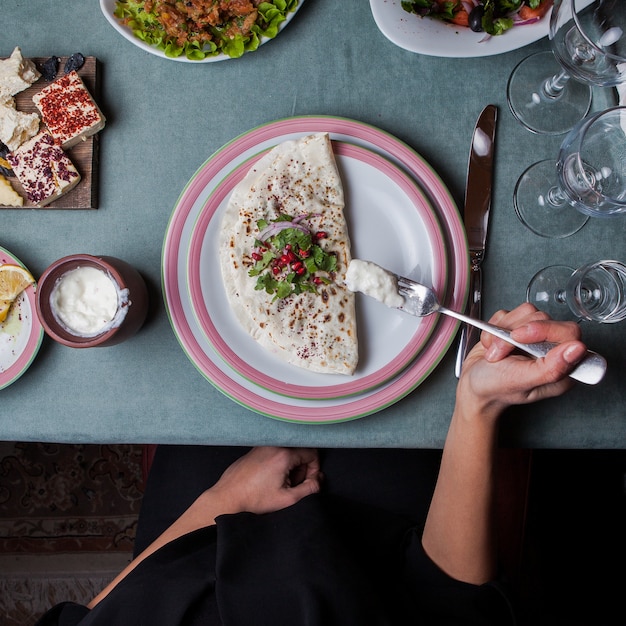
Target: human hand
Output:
[
  {"x": 267, "y": 479},
  {"x": 497, "y": 377}
]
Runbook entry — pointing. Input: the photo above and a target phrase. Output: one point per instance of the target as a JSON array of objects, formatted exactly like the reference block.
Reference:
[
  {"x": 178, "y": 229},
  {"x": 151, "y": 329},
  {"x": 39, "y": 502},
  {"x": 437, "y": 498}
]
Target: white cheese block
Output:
[
  {"x": 16, "y": 74},
  {"x": 8, "y": 195},
  {"x": 68, "y": 110},
  {"x": 43, "y": 169},
  {"x": 16, "y": 127}
]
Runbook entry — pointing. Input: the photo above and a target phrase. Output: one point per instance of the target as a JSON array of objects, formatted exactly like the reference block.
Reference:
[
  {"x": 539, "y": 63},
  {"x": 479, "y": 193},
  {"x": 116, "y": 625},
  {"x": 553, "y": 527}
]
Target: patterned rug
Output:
[
  {"x": 68, "y": 515},
  {"x": 67, "y": 498}
]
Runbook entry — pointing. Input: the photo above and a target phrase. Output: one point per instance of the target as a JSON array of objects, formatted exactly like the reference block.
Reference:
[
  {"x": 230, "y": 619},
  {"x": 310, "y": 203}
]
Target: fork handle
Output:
[{"x": 590, "y": 370}]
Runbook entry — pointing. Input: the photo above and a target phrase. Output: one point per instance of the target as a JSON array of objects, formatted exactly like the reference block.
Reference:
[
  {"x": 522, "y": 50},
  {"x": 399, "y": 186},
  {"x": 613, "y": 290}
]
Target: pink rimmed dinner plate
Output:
[
  {"x": 21, "y": 332},
  {"x": 177, "y": 296},
  {"x": 391, "y": 223}
]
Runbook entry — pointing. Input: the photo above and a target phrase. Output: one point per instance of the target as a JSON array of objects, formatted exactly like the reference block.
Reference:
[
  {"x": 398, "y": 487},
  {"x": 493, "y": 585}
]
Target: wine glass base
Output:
[
  {"x": 535, "y": 209},
  {"x": 537, "y": 111},
  {"x": 546, "y": 291}
]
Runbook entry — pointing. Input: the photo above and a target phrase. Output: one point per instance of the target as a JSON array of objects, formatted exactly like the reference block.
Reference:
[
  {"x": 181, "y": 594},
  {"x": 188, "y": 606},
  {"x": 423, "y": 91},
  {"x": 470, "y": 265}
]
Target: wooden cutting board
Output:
[{"x": 84, "y": 155}]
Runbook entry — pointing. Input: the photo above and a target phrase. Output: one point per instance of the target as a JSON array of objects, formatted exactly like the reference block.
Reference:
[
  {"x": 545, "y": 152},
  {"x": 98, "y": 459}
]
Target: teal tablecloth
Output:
[{"x": 165, "y": 119}]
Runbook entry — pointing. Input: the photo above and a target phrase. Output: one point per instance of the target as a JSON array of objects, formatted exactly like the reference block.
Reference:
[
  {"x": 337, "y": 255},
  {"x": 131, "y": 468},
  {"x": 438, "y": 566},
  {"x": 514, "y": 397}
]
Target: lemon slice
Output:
[
  {"x": 5, "y": 305},
  {"x": 13, "y": 280}
]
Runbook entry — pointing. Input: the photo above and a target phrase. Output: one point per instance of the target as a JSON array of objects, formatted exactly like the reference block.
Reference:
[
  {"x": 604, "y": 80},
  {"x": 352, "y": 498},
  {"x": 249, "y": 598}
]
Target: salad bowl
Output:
[
  {"x": 108, "y": 10},
  {"x": 425, "y": 35}
]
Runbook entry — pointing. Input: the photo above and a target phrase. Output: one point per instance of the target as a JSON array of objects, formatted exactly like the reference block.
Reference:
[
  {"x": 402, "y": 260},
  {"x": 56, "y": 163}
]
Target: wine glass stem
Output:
[
  {"x": 555, "y": 197},
  {"x": 553, "y": 87}
]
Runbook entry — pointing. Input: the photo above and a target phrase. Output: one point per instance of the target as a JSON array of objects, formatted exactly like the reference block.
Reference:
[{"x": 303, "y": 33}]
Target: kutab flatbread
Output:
[{"x": 313, "y": 327}]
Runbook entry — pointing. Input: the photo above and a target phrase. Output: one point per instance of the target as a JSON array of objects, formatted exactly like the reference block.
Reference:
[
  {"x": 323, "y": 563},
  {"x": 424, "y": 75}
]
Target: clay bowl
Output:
[{"x": 132, "y": 305}]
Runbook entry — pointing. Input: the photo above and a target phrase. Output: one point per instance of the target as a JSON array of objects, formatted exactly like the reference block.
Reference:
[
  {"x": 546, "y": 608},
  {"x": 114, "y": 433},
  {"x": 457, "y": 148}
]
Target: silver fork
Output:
[{"x": 420, "y": 300}]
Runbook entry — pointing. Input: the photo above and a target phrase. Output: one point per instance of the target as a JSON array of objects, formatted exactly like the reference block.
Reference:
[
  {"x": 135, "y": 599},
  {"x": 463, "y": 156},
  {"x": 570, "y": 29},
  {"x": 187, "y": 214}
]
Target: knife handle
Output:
[{"x": 470, "y": 335}]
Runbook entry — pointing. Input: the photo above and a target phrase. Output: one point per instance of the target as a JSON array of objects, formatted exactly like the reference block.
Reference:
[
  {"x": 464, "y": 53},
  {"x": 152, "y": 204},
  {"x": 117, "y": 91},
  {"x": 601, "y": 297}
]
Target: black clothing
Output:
[{"x": 328, "y": 560}]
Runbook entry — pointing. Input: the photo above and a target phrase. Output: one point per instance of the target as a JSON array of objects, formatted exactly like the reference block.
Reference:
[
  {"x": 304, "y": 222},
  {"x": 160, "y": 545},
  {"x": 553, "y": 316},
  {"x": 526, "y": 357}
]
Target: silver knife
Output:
[{"x": 476, "y": 218}]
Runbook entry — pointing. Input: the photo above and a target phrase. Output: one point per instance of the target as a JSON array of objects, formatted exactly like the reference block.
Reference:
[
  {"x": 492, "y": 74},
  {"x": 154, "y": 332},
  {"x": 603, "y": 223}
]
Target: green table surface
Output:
[{"x": 166, "y": 118}]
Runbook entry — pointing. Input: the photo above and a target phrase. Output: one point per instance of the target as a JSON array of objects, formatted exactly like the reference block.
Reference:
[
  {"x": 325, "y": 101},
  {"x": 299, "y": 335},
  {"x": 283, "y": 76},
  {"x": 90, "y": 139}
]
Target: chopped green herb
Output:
[{"x": 288, "y": 258}]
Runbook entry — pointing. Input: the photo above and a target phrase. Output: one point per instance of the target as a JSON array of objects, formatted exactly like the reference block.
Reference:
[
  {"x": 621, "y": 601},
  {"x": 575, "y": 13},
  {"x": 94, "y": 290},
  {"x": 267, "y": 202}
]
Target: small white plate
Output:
[
  {"x": 432, "y": 37},
  {"x": 108, "y": 8},
  {"x": 21, "y": 333}
]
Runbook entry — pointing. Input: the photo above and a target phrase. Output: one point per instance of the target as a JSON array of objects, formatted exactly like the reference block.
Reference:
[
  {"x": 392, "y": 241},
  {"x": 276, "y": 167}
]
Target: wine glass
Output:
[
  {"x": 594, "y": 292},
  {"x": 589, "y": 175},
  {"x": 589, "y": 45}
]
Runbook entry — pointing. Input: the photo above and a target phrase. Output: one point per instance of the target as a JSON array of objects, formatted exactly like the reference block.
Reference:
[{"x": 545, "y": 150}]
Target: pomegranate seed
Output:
[
  {"x": 284, "y": 259},
  {"x": 300, "y": 271},
  {"x": 317, "y": 280},
  {"x": 304, "y": 253},
  {"x": 256, "y": 256},
  {"x": 321, "y": 235},
  {"x": 287, "y": 246},
  {"x": 276, "y": 270},
  {"x": 297, "y": 265}
]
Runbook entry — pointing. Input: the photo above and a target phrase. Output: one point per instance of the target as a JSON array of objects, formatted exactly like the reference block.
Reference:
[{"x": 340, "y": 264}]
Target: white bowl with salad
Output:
[
  {"x": 436, "y": 36},
  {"x": 141, "y": 23}
]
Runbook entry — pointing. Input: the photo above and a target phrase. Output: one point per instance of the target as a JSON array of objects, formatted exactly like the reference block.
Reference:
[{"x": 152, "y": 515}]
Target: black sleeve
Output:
[
  {"x": 64, "y": 614},
  {"x": 445, "y": 601},
  {"x": 175, "y": 586}
]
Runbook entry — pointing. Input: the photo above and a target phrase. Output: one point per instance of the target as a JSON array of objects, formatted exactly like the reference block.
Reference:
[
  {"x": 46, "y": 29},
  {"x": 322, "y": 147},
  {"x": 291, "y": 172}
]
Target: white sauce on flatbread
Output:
[{"x": 316, "y": 331}]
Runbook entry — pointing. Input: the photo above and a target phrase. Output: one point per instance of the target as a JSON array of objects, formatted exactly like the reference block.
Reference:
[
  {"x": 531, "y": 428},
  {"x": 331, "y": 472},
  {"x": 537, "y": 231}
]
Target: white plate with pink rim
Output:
[
  {"x": 179, "y": 241},
  {"x": 433, "y": 37},
  {"x": 390, "y": 221},
  {"x": 21, "y": 333}
]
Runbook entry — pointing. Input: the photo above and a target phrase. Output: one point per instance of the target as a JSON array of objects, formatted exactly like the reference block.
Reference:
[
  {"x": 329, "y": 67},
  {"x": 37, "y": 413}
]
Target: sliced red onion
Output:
[
  {"x": 530, "y": 20},
  {"x": 305, "y": 216},
  {"x": 275, "y": 227}
]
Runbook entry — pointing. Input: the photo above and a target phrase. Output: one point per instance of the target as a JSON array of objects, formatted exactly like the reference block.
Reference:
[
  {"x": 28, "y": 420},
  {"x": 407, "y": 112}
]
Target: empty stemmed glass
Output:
[
  {"x": 595, "y": 292},
  {"x": 589, "y": 45},
  {"x": 589, "y": 175}
]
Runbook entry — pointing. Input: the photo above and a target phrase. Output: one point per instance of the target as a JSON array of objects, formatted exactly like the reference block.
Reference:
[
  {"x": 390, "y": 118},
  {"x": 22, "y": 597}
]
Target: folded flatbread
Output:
[{"x": 315, "y": 330}]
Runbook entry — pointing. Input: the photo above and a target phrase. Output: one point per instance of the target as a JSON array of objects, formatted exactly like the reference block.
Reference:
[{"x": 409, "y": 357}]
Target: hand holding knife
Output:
[{"x": 476, "y": 218}]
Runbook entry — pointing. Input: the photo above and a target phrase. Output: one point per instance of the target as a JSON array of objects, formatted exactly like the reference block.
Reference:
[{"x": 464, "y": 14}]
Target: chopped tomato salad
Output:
[{"x": 199, "y": 29}]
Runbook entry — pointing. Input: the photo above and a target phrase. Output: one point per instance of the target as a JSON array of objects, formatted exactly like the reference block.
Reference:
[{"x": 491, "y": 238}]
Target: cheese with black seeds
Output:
[{"x": 43, "y": 169}]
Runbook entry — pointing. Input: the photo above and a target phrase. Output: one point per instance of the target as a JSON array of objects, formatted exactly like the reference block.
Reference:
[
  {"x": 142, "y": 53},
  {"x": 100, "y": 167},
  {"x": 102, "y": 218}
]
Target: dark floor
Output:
[{"x": 575, "y": 571}]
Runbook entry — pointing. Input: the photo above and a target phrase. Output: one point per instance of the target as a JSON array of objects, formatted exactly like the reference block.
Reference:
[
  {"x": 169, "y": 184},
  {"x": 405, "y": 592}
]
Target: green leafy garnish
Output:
[
  {"x": 492, "y": 24},
  {"x": 497, "y": 15},
  {"x": 288, "y": 258},
  {"x": 440, "y": 10},
  {"x": 197, "y": 42}
]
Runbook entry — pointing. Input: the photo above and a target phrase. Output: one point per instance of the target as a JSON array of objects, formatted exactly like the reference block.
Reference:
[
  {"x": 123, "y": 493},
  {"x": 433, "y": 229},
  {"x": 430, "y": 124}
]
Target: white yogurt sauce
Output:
[
  {"x": 87, "y": 301},
  {"x": 374, "y": 281}
]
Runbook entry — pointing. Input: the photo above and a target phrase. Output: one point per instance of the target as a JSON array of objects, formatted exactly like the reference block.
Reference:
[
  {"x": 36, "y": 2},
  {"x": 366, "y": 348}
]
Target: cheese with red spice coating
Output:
[
  {"x": 68, "y": 110},
  {"x": 43, "y": 169}
]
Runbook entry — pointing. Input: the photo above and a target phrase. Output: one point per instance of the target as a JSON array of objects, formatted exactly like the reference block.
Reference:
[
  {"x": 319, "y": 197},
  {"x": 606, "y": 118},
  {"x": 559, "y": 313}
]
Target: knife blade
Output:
[{"x": 477, "y": 207}]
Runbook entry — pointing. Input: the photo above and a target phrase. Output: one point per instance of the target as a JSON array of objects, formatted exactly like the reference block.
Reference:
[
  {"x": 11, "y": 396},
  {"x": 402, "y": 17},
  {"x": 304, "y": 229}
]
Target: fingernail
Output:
[
  {"x": 492, "y": 352},
  {"x": 572, "y": 354}
]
